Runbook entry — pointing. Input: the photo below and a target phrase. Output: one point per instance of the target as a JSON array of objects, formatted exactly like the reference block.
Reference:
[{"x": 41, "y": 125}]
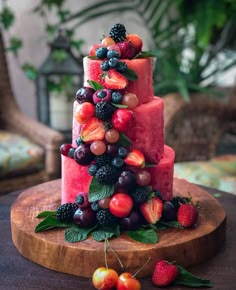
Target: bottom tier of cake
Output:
[{"x": 185, "y": 246}]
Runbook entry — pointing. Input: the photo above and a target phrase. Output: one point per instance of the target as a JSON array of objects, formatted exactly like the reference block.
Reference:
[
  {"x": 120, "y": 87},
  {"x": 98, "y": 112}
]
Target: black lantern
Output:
[{"x": 60, "y": 76}]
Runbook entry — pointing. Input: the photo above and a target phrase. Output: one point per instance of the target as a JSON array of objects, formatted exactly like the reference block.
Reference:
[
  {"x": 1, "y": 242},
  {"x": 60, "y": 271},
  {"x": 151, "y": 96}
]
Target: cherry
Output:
[
  {"x": 64, "y": 149},
  {"x": 83, "y": 155},
  {"x": 85, "y": 217},
  {"x": 85, "y": 94},
  {"x": 143, "y": 177},
  {"x": 121, "y": 119},
  {"x": 127, "y": 281},
  {"x": 104, "y": 278},
  {"x": 131, "y": 222},
  {"x": 121, "y": 205}
]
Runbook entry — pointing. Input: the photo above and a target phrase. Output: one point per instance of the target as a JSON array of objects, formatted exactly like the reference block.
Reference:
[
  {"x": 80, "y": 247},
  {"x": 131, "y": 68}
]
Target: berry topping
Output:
[
  {"x": 82, "y": 199},
  {"x": 113, "y": 53},
  {"x": 116, "y": 97},
  {"x": 93, "y": 130},
  {"x": 85, "y": 94},
  {"x": 66, "y": 211},
  {"x": 64, "y": 149},
  {"x": 118, "y": 32},
  {"x": 107, "y": 41},
  {"x": 152, "y": 210},
  {"x": 115, "y": 80},
  {"x": 84, "y": 217},
  {"x": 98, "y": 147},
  {"x": 92, "y": 169},
  {"x": 169, "y": 211},
  {"x": 135, "y": 158},
  {"x": 102, "y": 95},
  {"x": 104, "y": 110},
  {"x": 103, "y": 159},
  {"x": 106, "y": 175},
  {"x": 84, "y": 112},
  {"x": 83, "y": 155},
  {"x": 105, "y": 65},
  {"x": 126, "y": 179},
  {"x": 139, "y": 195}
]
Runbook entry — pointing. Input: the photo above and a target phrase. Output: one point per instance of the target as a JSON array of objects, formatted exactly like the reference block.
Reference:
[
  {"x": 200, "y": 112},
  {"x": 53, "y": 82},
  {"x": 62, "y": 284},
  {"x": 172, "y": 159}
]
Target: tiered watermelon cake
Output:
[{"x": 117, "y": 164}]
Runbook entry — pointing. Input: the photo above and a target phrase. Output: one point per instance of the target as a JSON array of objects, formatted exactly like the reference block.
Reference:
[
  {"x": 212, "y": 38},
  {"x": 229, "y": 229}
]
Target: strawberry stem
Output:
[{"x": 135, "y": 274}]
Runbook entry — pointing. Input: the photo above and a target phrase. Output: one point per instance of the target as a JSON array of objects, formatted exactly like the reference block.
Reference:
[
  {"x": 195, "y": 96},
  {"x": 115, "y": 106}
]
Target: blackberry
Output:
[
  {"x": 139, "y": 195},
  {"x": 66, "y": 211},
  {"x": 104, "y": 110},
  {"x": 118, "y": 32},
  {"x": 178, "y": 200},
  {"x": 103, "y": 159},
  {"x": 106, "y": 175},
  {"x": 105, "y": 217}
]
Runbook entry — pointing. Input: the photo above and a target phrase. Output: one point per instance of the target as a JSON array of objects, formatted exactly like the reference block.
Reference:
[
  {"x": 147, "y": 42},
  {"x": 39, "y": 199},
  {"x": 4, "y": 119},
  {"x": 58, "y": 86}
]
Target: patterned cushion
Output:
[
  {"x": 18, "y": 155},
  {"x": 219, "y": 172}
]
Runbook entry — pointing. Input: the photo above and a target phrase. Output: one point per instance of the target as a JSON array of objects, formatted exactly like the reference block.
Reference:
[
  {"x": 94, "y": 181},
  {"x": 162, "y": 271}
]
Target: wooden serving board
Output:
[{"x": 185, "y": 246}]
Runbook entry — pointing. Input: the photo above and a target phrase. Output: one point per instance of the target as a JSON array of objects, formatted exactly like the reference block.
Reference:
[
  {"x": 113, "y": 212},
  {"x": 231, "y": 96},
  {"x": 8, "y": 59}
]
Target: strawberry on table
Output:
[
  {"x": 187, "y": 215},
  {"x": 164, "y": 273},
  {"x": 152, "y": 210}
]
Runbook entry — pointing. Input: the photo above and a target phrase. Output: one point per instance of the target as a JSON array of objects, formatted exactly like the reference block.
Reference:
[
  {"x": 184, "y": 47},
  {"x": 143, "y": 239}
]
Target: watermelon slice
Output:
[
  {"x": 162, "y": 174},
  {"x": 75, "y": 179},
  {"x": 147, "y": 134},
  {"x": 143, "y": 87}
]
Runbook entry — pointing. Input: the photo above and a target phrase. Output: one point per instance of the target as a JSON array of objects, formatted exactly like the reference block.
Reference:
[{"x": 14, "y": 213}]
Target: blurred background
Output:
[{"x": 194, "y": 71}]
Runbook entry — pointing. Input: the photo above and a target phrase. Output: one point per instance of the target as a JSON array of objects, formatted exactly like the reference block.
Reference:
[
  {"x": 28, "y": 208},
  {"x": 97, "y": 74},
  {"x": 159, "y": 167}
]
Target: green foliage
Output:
[
  {"x": 6, "y": 18},
  {"x": 14, "y": 45}
]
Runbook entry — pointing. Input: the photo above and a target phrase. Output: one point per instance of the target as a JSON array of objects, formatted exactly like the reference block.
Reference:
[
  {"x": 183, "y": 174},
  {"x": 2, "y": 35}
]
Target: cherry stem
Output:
[
  {"x": 135, "y": 274},
  {"x": 113, "y": 251},
  {"x": 105, "y": 252}
]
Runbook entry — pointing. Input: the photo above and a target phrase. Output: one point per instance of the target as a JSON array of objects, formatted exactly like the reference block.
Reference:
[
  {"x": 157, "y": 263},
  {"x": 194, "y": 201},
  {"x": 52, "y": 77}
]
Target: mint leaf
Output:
[
  {"x": 119, "y": 105},
  {"x": 77, "y": 234},
  {"x": 99, "y": 191},
  {"x": 150, "y": 164},
  {"x": 95, "y": 85},
  {"x": 130, "y": 75},
  {"x": 188, "y": 279},
  {"x": 124, "y": 140},
  {"x": 106, "y": 233},
  {"x": 145, "y": 54},
  {"x": 46, "y": 213},
  {"x": 171, "y": 224},
  {"x": 147, "y": 236},
  {"x": 50, "y": 222}
]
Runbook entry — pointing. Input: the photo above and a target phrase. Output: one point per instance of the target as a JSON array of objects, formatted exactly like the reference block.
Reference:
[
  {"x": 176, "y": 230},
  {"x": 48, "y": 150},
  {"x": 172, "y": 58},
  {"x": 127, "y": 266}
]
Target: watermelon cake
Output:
[{"x": 117, "y": 162}]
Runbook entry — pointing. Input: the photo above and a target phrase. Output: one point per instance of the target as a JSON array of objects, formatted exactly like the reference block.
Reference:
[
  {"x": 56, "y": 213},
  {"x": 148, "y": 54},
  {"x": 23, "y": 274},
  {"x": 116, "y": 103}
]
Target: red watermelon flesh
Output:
[
  {"x": 162, "y": 174},
  {"x": 146, "y": 131},
  {"x": 76, "y": 126},
  {"x": 143, "y": 87},
  {"x": 75, "y": 179}
]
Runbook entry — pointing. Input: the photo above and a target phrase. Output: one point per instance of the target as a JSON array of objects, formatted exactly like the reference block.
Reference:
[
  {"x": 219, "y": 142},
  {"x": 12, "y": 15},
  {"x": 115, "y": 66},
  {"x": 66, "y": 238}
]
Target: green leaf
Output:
[
  {"x": 130, "y": 75},
  {"x": 106, "y": 233},
  {"x": 95, "y": 85},
  {"x": 124, "y": 140},
  {"x": 14, "y": 45},
  {"x": 99, "y": 191},
  {"x": 150, "y": 164},
  {"x": 147, "y": 236},
  {"x": 46, "y": 214},
  {"x": 77, "y": 234},
  {"x": 6, "y": 17},
  {"x": 188, "y": 279},
  {"x": 59, "y": 55},
  {"x": 50, "y": 222},
  {"x": 119, "y": 105},
  {"x": 171, "y": 224},
  {"x": 145, "y": 54},
  {"x": 30, "y": 71}
]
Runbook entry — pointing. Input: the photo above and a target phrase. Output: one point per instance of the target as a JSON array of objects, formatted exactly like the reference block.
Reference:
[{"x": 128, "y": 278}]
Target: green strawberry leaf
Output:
[
  {"x": 130, "y": 75},
  {"x": 147, "y": 236},
  {"x": 77, "y": 234},
  {"x": 48, "y": 223},
  {"x": 188, "y": 279},
  {"x": 99, "y": 191},
  {"x": 124, "y": 140},
  {"x": 95, "y": 85},
  {"x": 144, "y": 54},
  {"x": 106, "y": 233},
  {"x": 46, "y": 214}
]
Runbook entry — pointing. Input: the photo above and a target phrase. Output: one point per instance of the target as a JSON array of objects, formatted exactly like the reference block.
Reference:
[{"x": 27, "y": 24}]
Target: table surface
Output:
[{"x": 16, "y": 272}]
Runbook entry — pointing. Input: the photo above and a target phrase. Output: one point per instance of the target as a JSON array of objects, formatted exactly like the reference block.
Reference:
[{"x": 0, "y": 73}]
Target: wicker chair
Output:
[
  {"x": 197, "y": 129},
  {"x": 12, "y": 119}
]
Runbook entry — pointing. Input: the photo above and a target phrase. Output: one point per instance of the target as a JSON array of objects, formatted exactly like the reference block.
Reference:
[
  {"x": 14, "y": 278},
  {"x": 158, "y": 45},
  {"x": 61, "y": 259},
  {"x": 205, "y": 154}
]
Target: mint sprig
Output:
[
  {"x": 99, "y": 191},
  {"x": 130, "y": 75},
  {"x": 106, "y": 232},
  {"x": 145, "y": 54},
  {"x": 50, "y": 222},
  {"x": 95, "y": 85},
  {"x": 124, "y": 140},
  {"x": 147, "y": 236},
  {"x": 188, "y": 279},
  {"x": 46, "y": 213},
  {"x": 77, "y": 234}
]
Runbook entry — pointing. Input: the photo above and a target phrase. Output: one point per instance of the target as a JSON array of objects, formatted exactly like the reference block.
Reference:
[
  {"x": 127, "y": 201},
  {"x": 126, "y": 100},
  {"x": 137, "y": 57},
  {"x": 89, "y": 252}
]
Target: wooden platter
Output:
[{"x": 185, "y": 246}]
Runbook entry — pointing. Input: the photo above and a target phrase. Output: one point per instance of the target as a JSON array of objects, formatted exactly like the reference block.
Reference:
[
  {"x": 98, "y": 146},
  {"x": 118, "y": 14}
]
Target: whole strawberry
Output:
[
  {"x": 164, "y": 273},
  {"x": 187, "y": 215}
]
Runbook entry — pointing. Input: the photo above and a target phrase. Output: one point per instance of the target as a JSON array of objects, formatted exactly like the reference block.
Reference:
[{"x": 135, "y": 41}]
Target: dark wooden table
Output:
[{"x": 16, "y": 272}]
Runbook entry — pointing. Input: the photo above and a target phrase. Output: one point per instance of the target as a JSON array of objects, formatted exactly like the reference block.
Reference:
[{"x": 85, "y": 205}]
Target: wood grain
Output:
[{"x": 187, "y": 247}]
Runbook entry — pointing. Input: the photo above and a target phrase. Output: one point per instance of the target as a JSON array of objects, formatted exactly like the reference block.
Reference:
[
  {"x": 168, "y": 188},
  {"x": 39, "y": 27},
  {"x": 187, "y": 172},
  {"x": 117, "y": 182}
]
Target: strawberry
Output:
[
  {"x": 164, "y": 273},
  {"x": 115, "y": 80},
  {"x": 93, "y": 48},
  {"x": 94, "y": 130},
  {"x": 187, "y": 215},
  {"x": 135, "y": 158},
  {"x": 136, "y": 41},
  {"x": 127, "y": 49},
  {"x": 152, "y": 210}
]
